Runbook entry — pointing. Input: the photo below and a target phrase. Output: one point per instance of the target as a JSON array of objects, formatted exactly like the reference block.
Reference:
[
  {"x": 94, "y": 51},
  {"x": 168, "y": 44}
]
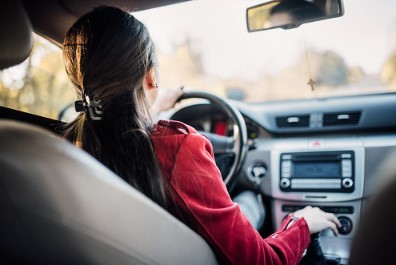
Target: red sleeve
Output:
[{"x": 197, "y": 182}]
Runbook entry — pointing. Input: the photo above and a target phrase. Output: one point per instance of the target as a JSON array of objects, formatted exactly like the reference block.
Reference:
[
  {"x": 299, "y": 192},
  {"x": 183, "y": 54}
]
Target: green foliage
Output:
[
  {"x": 388, "y": 73},
  {"x": 39, "y": 85}
]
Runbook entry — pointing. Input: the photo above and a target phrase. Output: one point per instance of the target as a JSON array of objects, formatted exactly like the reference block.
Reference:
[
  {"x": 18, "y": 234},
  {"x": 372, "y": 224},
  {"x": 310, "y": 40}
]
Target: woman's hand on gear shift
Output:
[{"x": 318, "y": 220}]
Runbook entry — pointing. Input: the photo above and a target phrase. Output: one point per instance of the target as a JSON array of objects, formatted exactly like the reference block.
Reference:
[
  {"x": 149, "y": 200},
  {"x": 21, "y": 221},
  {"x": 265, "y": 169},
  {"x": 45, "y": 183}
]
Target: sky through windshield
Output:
[{"x": 364, "y": 38}]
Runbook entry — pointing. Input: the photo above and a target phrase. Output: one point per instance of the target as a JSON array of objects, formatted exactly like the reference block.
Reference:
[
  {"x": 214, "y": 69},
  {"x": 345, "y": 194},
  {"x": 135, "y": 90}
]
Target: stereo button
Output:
[
  {"x": 346, "y": 173},
  {"x": 285, "y": 174},
  {"x": 346, "y": 168},
  {"x": 347, "y": 182},
  {"x": 346, "y": 155},
  {"x": 284, "y": 183},
  {"x": 346, "y": 163},
  {"x": 286, "y": 166}
]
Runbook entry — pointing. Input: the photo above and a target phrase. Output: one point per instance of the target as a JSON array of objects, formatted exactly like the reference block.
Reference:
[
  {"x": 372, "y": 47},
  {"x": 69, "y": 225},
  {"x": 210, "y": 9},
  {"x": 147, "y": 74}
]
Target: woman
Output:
[{"x": 110, "y": 58}]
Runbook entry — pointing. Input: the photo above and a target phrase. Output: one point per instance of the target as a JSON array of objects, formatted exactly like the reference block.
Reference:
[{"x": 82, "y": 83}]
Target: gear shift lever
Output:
[{"x": 314, "y": 254}]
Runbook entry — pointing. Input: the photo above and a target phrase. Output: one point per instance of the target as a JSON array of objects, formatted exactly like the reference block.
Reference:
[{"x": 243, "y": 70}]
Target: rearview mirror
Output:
[{"x": 287, "y": 14}]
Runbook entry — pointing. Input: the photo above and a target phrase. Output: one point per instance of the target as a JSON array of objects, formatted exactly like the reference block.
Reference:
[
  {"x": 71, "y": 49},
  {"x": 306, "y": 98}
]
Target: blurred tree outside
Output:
[
  {"x": 388, "y": 73},
  {"x": 39, "y": 85},
  {"x": 332, "y": 70},
  {"x": 328, "y": 69}
]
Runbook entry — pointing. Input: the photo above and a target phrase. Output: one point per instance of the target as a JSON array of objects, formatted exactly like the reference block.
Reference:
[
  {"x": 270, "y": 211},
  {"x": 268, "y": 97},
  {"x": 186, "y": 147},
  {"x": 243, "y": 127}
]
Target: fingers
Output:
[
  {"x": 333, "y": 222},
  {"x": 334, "y": 219},
  {"x": 333, "y": 227},
  {"x": 319, "y": 220},
  {"x": 177, "y": 93},
  {"x": 180, "y": 91}
]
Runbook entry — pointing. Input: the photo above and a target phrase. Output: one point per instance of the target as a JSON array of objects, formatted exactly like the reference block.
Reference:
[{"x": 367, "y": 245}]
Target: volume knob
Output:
[
  {"x": 347, "y": 183},
  {"x": 346, "y": 225},
  {"x": 284, "y": 183}
]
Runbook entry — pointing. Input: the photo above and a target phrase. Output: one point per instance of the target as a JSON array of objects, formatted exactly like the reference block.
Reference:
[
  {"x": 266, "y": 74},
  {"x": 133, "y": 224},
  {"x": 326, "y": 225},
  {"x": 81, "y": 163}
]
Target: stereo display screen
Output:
[{"x": 316, "y": 169}]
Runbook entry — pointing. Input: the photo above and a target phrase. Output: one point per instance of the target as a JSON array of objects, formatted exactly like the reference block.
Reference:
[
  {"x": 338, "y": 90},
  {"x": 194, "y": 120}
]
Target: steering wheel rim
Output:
[{"x": 239, "y": 137}]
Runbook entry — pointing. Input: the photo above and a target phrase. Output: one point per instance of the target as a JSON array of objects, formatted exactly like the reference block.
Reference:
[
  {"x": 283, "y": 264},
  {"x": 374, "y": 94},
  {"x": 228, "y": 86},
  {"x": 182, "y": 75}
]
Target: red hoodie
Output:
[{"x": 187, "y": 162}]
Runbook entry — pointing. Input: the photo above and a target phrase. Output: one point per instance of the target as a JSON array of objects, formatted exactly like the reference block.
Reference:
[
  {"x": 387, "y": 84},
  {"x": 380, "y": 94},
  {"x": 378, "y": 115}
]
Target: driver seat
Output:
[{"x": 59, "y": 205}]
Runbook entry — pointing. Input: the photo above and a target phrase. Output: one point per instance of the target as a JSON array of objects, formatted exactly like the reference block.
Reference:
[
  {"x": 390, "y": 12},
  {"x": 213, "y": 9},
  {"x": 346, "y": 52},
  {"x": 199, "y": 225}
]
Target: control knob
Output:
[
  {"x": 284, "y": 183},
  {"x": 346, "y": 225},
  {"x": 347, "y": 182}
]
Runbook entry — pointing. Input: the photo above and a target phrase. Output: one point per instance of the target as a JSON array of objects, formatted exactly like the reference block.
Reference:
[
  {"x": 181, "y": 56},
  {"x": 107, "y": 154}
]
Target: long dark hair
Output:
[{"x": 108, "y": 52}]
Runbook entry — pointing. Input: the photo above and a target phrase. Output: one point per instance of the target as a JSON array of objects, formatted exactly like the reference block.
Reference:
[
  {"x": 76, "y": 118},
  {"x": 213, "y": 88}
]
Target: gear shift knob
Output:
[{"x": 314, "y": 254}]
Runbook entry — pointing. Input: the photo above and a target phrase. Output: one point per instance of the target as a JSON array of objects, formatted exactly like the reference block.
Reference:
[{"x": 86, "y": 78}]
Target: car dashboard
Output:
[{"x": 320, "y": 152}]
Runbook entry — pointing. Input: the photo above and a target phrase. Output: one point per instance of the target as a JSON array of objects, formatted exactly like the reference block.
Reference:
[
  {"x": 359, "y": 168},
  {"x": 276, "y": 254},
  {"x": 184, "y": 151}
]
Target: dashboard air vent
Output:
[
  {"x": 292, "y": 121},
  {"x": 341, "y": 118}
]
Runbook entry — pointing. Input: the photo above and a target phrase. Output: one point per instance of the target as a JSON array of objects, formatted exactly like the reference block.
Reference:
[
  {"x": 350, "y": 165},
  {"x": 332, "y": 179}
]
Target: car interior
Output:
[
  {"x": 54, "y": 216},
  {"x": 61, "y": 206}
]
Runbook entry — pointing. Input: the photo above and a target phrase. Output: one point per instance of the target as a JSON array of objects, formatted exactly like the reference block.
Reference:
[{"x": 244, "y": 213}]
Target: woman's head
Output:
[
  {"x": 109, "y": 56},
  {"x": 110, "y": 53}
]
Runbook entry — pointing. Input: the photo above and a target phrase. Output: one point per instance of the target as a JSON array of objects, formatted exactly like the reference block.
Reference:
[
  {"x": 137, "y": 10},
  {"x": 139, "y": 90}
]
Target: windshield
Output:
[{"x": 205, "y": 45}]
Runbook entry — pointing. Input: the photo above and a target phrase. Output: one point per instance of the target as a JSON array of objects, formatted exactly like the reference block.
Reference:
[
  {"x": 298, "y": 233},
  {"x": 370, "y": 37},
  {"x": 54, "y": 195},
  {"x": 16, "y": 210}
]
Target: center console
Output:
[
  {"x": 337, "y": 173},
  {"x": 328, "y": 175}
]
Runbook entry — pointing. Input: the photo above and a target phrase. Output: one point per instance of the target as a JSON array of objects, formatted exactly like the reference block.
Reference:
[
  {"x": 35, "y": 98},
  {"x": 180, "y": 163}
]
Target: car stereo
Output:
[{"x": 329, "y": 171}]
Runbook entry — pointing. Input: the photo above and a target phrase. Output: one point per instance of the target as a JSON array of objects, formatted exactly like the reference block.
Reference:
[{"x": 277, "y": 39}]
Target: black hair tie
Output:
[{"x": 91, "y": 104}]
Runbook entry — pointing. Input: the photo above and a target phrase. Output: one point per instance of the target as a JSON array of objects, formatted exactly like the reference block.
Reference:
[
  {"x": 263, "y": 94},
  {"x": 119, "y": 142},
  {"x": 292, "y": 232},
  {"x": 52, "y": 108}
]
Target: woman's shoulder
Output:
[
  {"x": 172, "y": 127},
  {"x": 174, "y": 141},
  {"x": 171, "y": 134}
]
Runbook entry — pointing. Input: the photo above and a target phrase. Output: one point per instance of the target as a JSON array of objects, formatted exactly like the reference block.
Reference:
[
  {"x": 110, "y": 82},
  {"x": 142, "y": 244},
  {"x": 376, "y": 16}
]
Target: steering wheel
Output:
[{"x": 234, "y": 147}]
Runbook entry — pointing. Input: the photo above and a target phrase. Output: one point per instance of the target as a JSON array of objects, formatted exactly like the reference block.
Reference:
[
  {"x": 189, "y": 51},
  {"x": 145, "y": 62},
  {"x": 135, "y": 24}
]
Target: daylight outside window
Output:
[{"x": 352, "y": 54}]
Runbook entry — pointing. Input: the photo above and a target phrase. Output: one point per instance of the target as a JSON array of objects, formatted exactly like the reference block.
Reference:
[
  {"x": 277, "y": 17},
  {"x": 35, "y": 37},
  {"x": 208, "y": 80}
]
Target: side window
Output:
[{"x": 39, "y": 85}]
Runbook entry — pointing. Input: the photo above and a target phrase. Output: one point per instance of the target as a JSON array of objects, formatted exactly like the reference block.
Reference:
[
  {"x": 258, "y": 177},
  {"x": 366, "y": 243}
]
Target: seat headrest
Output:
[{"x": 16, "y": 38}]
